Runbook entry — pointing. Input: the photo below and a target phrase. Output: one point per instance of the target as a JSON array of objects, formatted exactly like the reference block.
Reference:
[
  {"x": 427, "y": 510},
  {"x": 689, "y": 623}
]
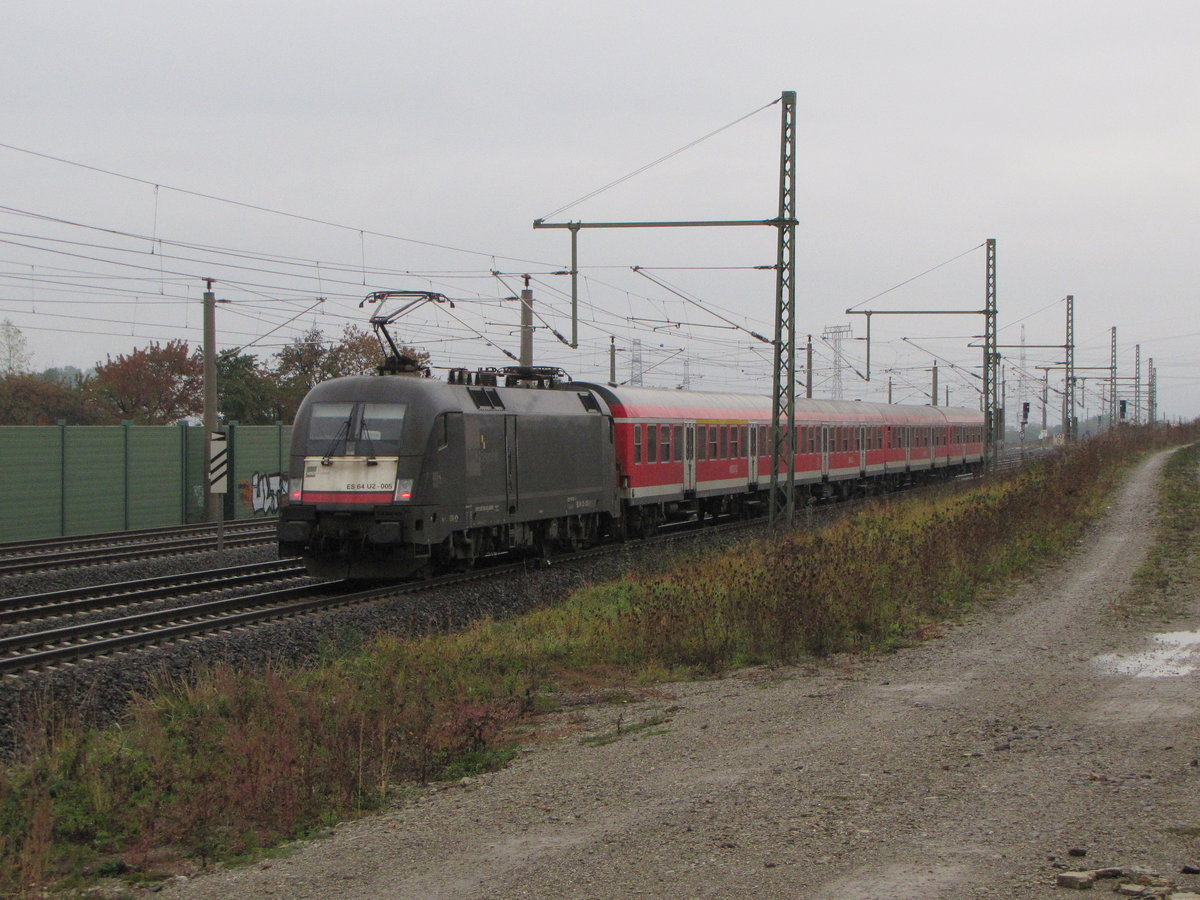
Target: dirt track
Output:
[{"x": 966, "y": 767}]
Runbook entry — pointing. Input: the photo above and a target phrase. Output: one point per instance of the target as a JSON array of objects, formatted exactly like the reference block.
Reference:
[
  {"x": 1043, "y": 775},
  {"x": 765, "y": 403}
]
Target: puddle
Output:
[{"x": 1175, "y": 654}]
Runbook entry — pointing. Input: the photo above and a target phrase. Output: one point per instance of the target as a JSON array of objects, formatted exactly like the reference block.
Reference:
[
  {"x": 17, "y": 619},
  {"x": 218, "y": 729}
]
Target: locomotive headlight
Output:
[{"x": 404, "y": 488}]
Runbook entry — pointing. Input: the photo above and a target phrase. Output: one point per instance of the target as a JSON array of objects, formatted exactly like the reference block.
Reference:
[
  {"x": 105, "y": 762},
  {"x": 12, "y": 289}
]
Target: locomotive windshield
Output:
[{"x": 355, "y": 429}]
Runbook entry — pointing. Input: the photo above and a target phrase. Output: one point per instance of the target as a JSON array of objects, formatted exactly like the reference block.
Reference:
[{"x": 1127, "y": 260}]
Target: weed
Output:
[
  {"x": 1160, "y": 585},
  {"x": 621, "y": 730}
]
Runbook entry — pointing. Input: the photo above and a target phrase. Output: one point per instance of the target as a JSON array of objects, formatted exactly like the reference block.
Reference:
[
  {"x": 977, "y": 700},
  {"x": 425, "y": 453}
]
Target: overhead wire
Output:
[
  {"x": 258, "y": 208},
  {"x": 651, "y": 165},
  {"x": 919, "y": 275}
]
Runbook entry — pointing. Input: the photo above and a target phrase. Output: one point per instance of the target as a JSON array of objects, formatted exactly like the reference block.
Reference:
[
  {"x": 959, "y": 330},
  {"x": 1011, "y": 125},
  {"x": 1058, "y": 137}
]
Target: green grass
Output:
[
  {"x": 232, "y": 762},
  {"x": 648, "y": 727},
  {"x": 1162, "y": 584}
]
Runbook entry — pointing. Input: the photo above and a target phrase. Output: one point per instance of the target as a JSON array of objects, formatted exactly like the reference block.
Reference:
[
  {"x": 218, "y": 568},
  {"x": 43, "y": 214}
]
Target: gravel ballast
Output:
[{"x": 980, "y": 764}]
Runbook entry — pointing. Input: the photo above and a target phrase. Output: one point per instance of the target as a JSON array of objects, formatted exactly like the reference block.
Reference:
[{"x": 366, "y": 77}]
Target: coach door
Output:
[
  {"x": 824, "y": 451},
  {"x": 510, "y": 462},
  {"x": 689, "y": 458},
  {"x": 752, "y": 454}
]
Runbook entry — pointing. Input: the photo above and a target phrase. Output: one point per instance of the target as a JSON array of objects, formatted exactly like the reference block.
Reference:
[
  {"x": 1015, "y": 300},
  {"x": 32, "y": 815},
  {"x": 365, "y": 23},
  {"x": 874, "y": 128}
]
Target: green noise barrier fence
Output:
[{"x": 64, "y": 480}]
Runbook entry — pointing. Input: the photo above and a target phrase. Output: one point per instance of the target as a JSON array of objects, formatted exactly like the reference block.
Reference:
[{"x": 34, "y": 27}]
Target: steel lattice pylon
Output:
[
  {"x": 1070, "y": 420},
  {"x": 991, "y": 358},
  {"x": 783, "y": 484}
]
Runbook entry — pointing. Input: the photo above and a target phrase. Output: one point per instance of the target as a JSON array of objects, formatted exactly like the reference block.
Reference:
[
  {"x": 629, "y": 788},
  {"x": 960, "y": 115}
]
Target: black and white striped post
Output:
[{"x": 218, "y": 478}]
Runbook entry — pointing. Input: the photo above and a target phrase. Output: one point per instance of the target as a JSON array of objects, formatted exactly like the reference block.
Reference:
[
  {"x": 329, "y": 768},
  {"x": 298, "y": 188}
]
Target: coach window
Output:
[
  {"x": 701, "y": 443},
  {"x": 677, "y": 440},
  {"x": 713, "y": 431},
  {"x": 733, "y": 442},
  {"x": 637, "y": 444},
  {"x": 665, "y": 432},
  {"x": 651, "y": 443}
]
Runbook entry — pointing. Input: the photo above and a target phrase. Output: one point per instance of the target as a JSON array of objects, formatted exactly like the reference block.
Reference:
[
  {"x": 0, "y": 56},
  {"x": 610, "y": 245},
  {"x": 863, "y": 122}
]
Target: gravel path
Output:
[{"x": 969, "y": 766}]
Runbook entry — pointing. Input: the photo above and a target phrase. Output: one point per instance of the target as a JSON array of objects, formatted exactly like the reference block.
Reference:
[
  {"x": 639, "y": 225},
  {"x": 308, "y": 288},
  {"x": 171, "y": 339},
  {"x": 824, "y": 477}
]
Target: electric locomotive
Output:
[{"x": 392, "y": 475}]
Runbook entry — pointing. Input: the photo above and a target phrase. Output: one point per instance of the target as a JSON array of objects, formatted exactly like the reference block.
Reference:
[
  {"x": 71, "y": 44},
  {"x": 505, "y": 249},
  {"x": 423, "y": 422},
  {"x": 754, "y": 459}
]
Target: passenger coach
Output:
[{"x": 679, "y": 450}]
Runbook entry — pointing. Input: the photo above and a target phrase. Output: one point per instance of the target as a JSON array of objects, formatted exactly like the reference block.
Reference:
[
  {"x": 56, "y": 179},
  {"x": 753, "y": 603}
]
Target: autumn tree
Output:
[
  {"x": 357, "y": 353},
  {"x": 311, "y": 358},
  {"x": 246, "y": 390},
  {"x": 35, "y": 400},
  {"x": 154, "y": 385}
]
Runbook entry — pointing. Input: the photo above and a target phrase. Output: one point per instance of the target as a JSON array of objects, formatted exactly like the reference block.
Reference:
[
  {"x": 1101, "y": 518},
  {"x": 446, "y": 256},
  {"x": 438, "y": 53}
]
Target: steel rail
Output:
[
  {"x": 105, "y": 555},
  {"x": 143, "y": 535},
  {"x": 123, "y": 593},
  {"x": 88, "y": 639}
]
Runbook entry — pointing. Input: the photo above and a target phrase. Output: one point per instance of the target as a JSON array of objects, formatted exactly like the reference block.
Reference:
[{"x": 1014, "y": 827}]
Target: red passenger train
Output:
[
  {"x": 393, "y": 475},
  {"x": 712, "y": 452}
]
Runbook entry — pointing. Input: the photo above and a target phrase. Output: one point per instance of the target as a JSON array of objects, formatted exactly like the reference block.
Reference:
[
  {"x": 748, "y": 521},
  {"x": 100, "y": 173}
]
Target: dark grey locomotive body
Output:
[{"x": 393, "y": 475}]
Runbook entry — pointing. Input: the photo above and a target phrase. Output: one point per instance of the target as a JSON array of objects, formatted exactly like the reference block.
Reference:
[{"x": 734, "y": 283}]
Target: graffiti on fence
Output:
[{"x": 264, "y": 492}]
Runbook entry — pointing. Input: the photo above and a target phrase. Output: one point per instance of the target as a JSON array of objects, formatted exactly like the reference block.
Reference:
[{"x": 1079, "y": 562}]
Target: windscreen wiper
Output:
[
  {"x": 342, "y": 435},
  {"x": 364, "y": 436}
]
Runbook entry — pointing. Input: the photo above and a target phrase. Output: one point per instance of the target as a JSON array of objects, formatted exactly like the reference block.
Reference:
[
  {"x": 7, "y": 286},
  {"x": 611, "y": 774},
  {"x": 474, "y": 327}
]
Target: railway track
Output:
[
  {"x": 76, "y": 643},
  {"x": 98, "y": 598},
  {"x": 22, "y": 653},
  {"x": 19, "y": 557}
]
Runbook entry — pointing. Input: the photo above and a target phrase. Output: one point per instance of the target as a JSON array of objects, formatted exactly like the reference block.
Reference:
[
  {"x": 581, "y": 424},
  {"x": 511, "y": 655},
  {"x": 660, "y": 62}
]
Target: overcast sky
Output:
[{"x": 301, "y": 150}]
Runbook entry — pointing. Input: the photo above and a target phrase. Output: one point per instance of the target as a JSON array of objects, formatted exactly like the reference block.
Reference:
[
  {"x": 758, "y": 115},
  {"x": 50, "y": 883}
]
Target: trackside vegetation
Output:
[
  {"x": 232, "y": 762},
  {"x": 1165, "y": 581}
]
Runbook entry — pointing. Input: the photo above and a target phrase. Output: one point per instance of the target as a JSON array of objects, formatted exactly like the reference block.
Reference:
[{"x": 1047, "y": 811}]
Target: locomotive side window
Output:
[
  {"x": 651, "y": 443},
  {"x": 590, "y": 403}
]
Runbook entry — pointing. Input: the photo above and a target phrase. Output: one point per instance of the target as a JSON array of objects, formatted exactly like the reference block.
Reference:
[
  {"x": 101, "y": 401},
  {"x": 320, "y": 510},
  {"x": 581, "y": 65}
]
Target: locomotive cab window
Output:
[{"x": 355, "y": 429}]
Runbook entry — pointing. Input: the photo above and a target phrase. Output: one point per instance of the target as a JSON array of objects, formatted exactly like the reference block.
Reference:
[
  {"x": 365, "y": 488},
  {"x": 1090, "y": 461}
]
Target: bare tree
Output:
[{"x": 14, "y": 353}]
